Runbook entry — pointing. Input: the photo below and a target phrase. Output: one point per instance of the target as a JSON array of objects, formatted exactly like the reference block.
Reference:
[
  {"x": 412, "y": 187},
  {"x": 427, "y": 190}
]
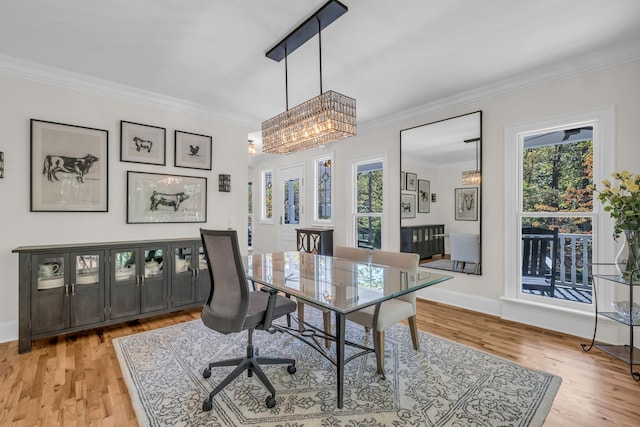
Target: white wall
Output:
[
  {"x": 23, "y": 100},
  {"x": 618, "y": 86}
]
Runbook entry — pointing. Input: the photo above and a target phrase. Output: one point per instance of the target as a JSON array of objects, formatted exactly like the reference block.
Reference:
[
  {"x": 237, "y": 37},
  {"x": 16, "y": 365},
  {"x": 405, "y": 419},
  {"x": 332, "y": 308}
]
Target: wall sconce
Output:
[
  {"x": 1, "y": 164},
  {"x": 433, "y": 197},
  {"x": 224, "y": 183}
]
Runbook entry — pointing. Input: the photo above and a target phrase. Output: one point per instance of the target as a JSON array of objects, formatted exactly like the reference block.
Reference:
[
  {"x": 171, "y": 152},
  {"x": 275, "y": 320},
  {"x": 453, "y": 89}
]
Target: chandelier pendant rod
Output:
[
  {"x": 320, "y": 50},
  {"x": 286, "y": 79}
]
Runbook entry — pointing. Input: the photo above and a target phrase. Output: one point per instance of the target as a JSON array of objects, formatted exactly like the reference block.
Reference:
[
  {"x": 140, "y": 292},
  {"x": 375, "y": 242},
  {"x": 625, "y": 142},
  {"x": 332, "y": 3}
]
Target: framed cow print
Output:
[
  {"x": 142, "y": 143},
  {"x": 69, "y": 168},
  {"x": 192, "y": 150},
  {"x": 157, "y": 198}
]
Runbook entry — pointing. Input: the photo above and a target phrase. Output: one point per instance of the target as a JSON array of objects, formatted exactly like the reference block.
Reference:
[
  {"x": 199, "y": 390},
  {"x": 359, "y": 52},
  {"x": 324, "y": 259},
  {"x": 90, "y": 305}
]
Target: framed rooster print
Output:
[{"x": 192, "y": 150}]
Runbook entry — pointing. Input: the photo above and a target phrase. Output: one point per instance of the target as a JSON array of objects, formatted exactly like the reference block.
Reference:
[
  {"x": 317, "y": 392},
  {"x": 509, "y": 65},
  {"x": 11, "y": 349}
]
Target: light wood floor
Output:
[{"x": 76, "y": 380}]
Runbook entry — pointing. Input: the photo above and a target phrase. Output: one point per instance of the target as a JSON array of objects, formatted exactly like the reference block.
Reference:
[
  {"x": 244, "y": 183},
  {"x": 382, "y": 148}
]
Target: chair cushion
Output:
[
  {"x": 391, "y": 312},
  {"x": 258, "y": 306}
]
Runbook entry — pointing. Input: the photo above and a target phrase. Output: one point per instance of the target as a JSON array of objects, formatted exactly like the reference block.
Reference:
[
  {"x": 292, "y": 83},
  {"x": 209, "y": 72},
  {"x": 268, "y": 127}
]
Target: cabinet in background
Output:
[
  {"x": 315, "y": 240},
  {"x": 424, "y": 240}
]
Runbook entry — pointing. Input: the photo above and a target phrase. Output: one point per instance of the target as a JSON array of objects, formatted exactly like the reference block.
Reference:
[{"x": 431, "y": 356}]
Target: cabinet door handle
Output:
[
  {"x": 141, "y": 280},
  {"x": 66, "y": 290},
  {"x": 73, "y": 289}
]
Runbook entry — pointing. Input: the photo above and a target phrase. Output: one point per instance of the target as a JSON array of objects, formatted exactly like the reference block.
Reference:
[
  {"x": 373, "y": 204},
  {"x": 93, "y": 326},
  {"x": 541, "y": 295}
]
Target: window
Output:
[
  {"x": 266, "y": 213},
  {"x": 552, "y": 163},
  {"x": 323, "y": 189},
  {"x": 368, "y": 203},
  {"x": 557, "y": 170}
]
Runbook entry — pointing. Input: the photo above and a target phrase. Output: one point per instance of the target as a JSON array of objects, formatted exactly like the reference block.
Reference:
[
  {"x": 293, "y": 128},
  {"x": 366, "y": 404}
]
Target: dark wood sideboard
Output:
[
  {"x": 315, "y": 240},
  {"x": 424, "y": 240},
  {"x": 74, "y": 287}
]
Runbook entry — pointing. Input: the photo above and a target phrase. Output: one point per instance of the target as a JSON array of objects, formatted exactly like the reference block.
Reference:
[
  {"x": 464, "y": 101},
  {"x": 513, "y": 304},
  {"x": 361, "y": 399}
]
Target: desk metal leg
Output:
[{"x": 340, "y": 339}]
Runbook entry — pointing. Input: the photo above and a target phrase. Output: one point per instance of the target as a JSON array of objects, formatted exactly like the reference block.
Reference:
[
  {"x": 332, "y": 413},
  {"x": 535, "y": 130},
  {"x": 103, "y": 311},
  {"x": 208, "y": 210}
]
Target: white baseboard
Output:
[
  {"x": 572, "y": 322},
  {"x": 8, "y": 331}
]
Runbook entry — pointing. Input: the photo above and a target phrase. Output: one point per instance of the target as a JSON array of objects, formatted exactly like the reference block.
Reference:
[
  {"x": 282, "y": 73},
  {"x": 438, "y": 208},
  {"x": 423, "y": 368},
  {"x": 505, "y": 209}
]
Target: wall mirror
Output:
[{"x": 440, "y": 193}]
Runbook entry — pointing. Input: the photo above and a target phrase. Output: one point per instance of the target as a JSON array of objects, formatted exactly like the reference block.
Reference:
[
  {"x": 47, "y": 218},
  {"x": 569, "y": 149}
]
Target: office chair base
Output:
[{"x": 251, "y": 364}]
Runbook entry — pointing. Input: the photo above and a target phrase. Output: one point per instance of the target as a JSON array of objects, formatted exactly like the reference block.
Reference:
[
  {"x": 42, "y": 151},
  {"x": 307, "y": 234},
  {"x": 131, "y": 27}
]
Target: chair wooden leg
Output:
[
  {"x": 326, "y": 316},
  {"x": 379, "y": 337},
  {"x": 413, "y": 328},
  {"x": 300, "y": 316}
]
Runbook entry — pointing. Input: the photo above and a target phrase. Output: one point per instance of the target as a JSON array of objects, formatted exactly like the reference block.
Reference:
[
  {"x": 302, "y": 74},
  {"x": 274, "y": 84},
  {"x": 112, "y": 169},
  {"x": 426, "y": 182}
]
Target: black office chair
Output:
[
  {"x": 232, "y": 307},
  {"x": 540, "y": 245}
]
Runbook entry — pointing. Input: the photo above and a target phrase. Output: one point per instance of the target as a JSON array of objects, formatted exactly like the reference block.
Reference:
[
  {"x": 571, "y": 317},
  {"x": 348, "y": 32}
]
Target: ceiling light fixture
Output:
[
  {"x": 472, "y": 177},
  {"x": 326, "y": 118},
  {"x": 251, "y": 148}
]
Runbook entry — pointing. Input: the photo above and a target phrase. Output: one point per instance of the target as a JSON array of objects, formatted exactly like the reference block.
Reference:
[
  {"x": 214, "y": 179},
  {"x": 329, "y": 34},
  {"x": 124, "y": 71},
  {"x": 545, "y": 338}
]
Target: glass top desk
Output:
[{"x": 339, "y": 285}]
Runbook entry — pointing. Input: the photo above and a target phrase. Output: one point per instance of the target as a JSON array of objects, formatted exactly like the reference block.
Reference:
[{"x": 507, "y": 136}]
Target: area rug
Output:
[
  {"x": 446, "y": 264},
  {"x": 442, "y": 384}
]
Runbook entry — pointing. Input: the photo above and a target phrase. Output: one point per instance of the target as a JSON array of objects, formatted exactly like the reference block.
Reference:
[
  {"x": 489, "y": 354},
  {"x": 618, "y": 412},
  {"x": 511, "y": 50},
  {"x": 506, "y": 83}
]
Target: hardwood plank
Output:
[{"x": 76, "y": 379}]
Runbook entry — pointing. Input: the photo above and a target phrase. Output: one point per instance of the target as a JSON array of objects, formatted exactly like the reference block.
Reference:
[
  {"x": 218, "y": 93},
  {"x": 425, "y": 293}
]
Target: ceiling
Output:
[{"x": 392, "y": 56}]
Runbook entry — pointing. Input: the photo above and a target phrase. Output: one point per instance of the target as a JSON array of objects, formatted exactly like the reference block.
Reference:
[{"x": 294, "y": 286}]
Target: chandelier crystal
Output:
[
  {"x": 326, "y": 118},
  {"x": 471, "y": 177}
]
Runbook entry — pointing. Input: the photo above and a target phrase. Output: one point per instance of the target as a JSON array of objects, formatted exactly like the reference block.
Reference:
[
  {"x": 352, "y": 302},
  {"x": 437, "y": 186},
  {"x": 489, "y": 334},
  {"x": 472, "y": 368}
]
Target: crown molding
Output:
[
  {"x": 79, "y": 82},
  {"x": 607, "y": 58}
]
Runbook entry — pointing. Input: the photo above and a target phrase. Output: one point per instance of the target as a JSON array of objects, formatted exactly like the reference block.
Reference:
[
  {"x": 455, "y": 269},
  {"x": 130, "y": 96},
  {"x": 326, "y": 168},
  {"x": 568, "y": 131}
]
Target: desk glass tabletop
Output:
[{"x": 338, "y": 284}]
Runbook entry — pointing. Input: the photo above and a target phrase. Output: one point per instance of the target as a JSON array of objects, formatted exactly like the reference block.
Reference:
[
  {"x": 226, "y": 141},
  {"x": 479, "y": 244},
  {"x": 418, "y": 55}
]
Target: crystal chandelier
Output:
[
  {"x": 472, "y": 177},
  {"x": 326, "y": 118}
]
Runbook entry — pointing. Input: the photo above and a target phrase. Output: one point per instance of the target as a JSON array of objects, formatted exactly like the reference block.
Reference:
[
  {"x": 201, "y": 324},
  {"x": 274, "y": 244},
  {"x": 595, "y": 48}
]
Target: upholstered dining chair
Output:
[
  {"x": 232, "y": 308},
  {"x": 353, "y": 254},
  {"x": 465, "y": 248},
  {"x": 392, "y": 311}
]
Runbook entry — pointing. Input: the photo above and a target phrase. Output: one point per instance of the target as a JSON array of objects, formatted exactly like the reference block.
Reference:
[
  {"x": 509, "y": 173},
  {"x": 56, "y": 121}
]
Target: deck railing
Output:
[{"x": 575, "y": 250}]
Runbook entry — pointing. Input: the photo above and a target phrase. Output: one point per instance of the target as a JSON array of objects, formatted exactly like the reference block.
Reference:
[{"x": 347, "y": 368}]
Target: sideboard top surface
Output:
[{"x": 47, "y": 248}]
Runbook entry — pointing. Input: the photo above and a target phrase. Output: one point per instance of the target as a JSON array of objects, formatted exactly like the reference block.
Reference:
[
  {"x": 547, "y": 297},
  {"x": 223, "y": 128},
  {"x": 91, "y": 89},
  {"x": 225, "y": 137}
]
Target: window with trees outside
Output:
[
  {"x": 266, "y": 213},
  {"x": 368, "y": 183},
  {"x": 323, "y": 189},
  {"x": 556, "y": 213}
]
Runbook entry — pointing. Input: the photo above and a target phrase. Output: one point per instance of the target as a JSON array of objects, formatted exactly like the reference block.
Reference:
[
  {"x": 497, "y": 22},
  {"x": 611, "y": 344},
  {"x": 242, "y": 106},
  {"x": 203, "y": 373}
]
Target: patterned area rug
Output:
[{"x": 443, "y": 384}]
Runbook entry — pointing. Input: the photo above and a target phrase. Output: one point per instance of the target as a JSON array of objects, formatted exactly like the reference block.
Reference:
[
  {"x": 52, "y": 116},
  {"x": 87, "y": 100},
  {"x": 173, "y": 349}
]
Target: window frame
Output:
[
  {"x": 602, "y": 121},
  {"x": 263, "y": 196},
  {"x": 352, "y": 230},
  {"x": 316, "y": 202}
]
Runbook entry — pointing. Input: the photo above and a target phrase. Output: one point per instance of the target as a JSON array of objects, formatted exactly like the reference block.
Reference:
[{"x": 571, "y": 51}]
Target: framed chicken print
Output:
[{"x": 192, "y": 150}]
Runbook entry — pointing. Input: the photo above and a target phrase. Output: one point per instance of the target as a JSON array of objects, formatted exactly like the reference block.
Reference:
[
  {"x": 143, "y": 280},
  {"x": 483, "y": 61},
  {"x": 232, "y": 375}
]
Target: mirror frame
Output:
[{"x": 480, "y": 185}]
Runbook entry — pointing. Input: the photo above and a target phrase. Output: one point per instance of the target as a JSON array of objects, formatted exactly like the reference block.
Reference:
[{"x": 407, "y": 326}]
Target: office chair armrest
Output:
[{"x": 271, "y": 305}]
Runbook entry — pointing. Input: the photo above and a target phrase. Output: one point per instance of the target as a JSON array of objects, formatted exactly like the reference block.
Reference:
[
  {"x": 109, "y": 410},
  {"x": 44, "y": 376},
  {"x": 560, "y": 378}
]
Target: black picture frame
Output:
[
  {"x": 69, "y": 169},
  {"x": 412, "y": 181},
  {"x": 403, "y": 180},
  {"x": 192, "y": 150},
  {"x": 140, "y": 143},
  {"x": 466, "y": 204},
  {"x": 163, "y": 198},
  {"x": 424, "y": 200},
  {"x": 407, "y": 206}
]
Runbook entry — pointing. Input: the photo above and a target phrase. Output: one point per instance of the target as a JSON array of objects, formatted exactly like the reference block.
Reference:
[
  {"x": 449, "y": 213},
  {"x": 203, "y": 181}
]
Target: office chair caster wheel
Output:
[
  {"x": 270, "y": 402},
  {"x": 207, "y": 405},
  {"x": 292, "y": 369},
  {"x": 206, "y": 373}
]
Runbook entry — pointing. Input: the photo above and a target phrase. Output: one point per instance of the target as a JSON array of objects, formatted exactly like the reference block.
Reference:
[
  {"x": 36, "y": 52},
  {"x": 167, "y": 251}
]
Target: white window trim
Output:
[
  {"x": 263, "y": 218},
  {"x": 603, "y": 121},
  {"x": 351, "y": 232},
  {"x": 315, "y": 160}
]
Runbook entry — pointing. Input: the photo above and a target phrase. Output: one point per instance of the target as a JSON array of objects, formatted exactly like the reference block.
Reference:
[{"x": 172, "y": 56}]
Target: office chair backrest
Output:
[
  {"x": 228, "y": 302},
  {"x": 353, "y": 254}
]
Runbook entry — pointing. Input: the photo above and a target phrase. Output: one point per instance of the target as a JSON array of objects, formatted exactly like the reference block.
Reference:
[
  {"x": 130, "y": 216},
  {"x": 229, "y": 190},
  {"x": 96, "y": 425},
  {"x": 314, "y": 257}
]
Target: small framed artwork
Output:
[
  {"x": 407, "y": 206},
  {"x": 192, "y": 150},
  {"x": 423, "y": 196},
  {"x": 69, "y": 168},
  {"x": 412, "y": 181},
  {"x": 142, "y": 143},
  {"x": 156, "y": 198},
  {"x": 466, "y": 200},
  {"x": 402, "y": 180}
]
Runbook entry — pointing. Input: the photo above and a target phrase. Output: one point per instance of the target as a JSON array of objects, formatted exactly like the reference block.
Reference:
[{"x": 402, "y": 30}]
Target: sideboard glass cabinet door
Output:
[{"x": 68, "y": 290}]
